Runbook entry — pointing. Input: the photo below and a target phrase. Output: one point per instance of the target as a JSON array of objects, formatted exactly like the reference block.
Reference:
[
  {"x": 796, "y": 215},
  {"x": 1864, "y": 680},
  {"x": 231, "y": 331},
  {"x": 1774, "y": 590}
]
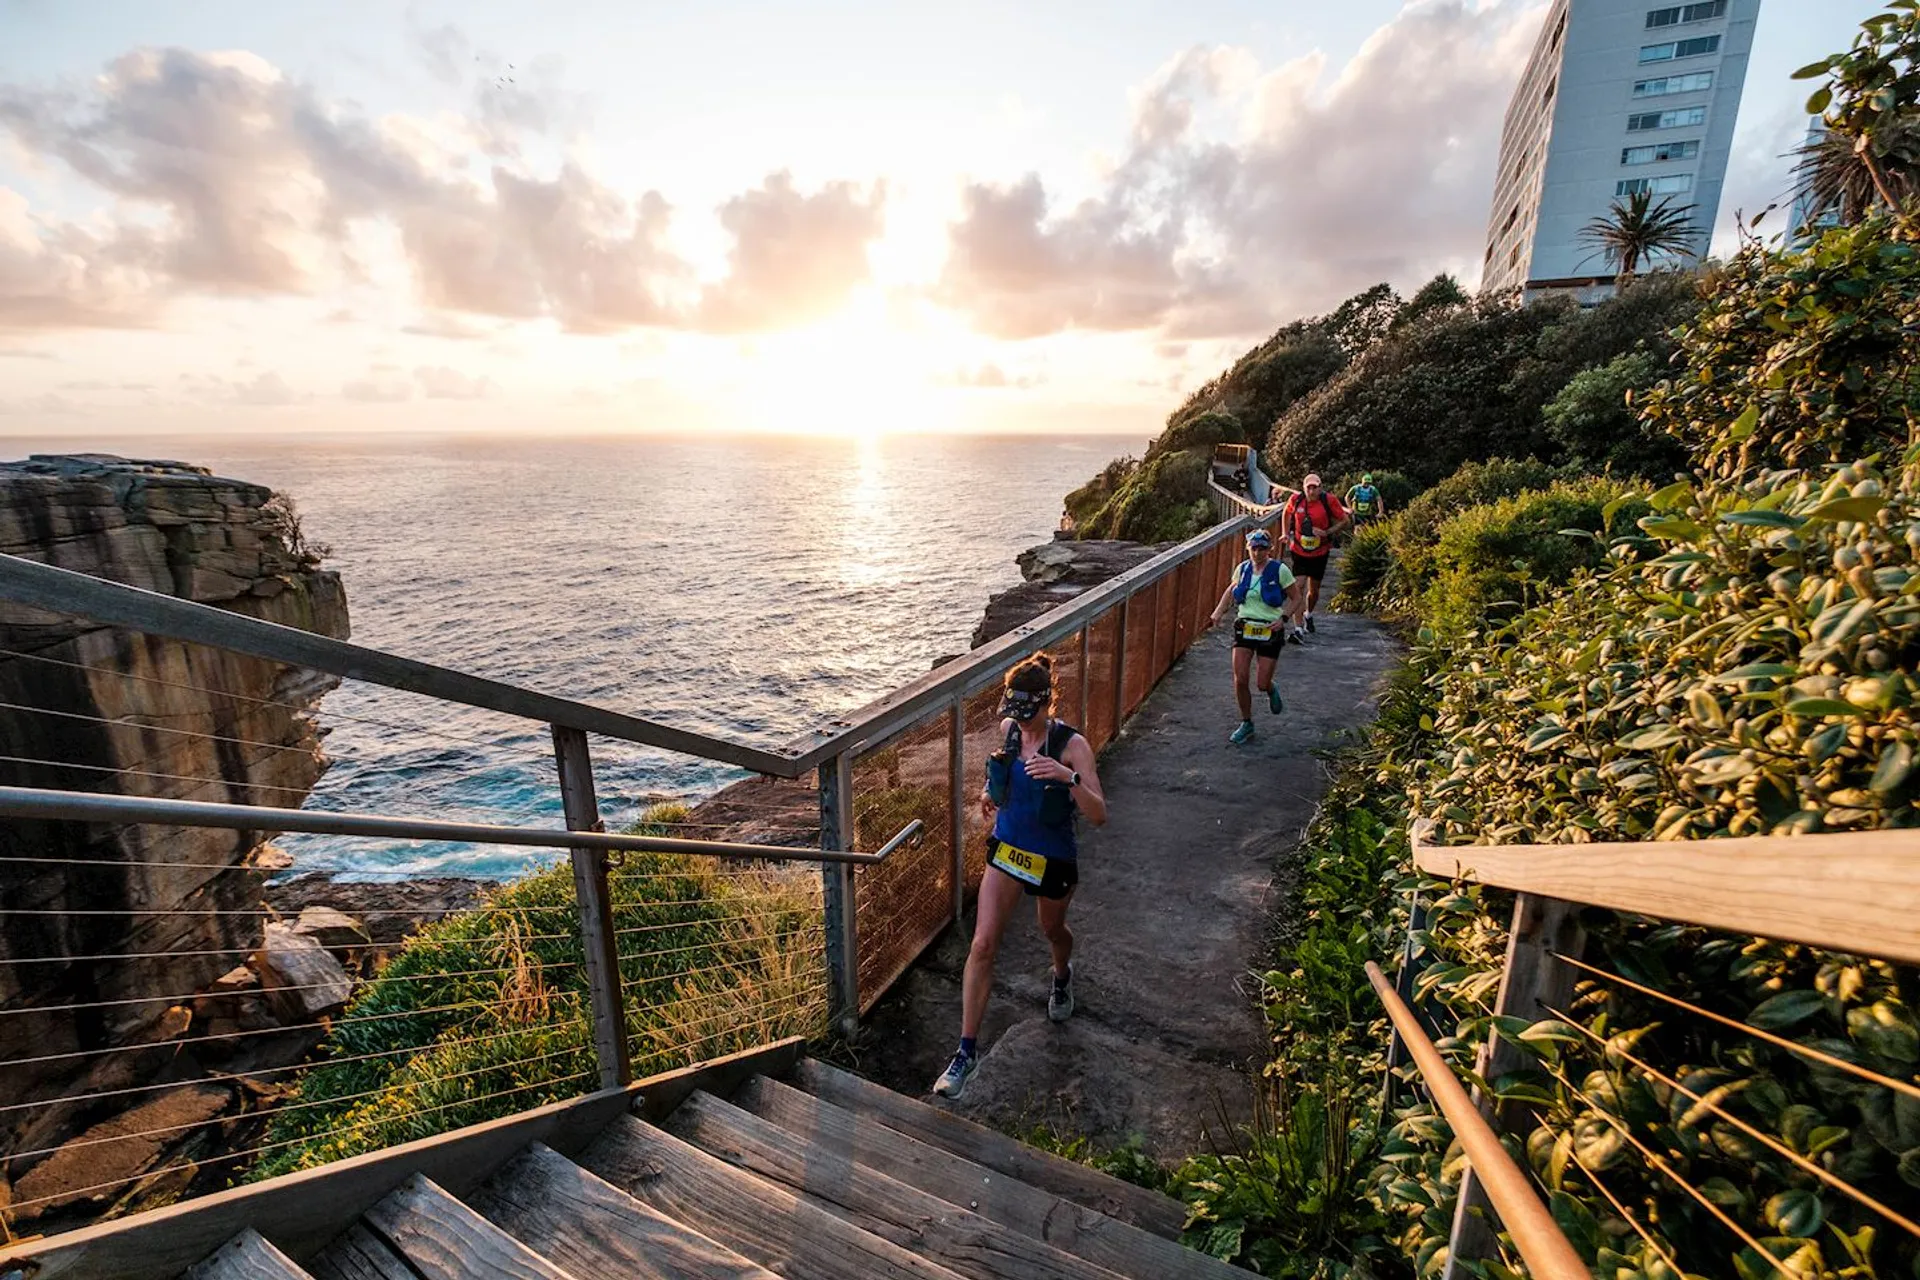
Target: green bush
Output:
[
  {"x": 486, "y": 1013},
  {"x": 1757, "y": 676},
  {"x": 1490, "y": 561},
  {"x": 1594, "y": 422},
  {"x": 1085, "y": 502},
  {"x": 1475, "y": 484},
  {"x": 1202, "y": 432},
  {"x": 1165, "y": 500},
  {"x": 1368, "y": 561}
]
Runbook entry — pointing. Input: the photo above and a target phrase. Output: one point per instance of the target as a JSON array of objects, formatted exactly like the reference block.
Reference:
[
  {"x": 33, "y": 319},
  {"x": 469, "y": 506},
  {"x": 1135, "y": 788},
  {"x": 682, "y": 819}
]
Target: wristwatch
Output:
[{"x": 1076, "y": 779}]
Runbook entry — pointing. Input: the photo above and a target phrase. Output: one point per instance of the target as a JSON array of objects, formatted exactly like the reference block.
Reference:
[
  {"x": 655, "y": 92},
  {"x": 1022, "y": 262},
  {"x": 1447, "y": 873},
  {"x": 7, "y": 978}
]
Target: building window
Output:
[
  {"x": 1667, "y": 85},
  {"x": 1674, "y": 15},
  {"x": 1660, "y": 151},
  {"x": 1671, "y": 185},
  {"x": 1679, "y": 49},
  {"x": 1678, "y": 119}
]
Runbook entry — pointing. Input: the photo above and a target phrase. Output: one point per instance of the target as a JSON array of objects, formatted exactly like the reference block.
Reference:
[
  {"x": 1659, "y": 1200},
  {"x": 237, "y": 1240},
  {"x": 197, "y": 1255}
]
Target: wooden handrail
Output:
[
  {"x": 1545, "y": 1250},
  {"x": 1857, "y": 893}
]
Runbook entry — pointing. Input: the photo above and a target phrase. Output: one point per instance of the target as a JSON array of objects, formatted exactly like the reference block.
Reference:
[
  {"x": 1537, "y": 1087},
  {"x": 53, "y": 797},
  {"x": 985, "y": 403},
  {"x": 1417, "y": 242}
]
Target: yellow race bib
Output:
[
  {"x": 1030, "y": 868},
  {"x": 1259, "y": 632},
  {"x": 1309, "y": 542}
]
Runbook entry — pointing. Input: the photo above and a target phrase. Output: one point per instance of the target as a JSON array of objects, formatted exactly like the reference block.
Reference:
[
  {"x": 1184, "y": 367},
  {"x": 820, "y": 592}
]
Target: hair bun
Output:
[{"x": 1045, "y": 661}]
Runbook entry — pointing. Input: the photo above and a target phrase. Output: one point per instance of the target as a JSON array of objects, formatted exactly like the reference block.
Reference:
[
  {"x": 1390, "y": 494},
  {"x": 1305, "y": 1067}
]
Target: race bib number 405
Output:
[{"x": 1018, "y": 863}]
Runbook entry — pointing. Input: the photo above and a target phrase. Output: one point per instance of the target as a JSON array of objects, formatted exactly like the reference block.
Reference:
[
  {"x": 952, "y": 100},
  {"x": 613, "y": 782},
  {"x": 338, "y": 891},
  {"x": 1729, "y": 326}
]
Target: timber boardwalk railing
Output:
[
  {"x": 692, "y": 947},
  {"x": 1856, "y": 894}
]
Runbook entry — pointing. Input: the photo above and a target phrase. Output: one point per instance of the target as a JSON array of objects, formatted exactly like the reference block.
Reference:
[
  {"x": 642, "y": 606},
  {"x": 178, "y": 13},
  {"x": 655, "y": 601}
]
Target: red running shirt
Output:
[{"x": 1310, "y": 520}]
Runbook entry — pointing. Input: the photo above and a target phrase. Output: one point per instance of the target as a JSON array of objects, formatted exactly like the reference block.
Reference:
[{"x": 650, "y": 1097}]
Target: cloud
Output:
[
  {"x": 94, "y": 384},
  {"x": 795, "y": 257},
  {"x": 42, "y": 406},
  {"x": 439, "y": 382},
  {"x": 380, "y": 386},
  {"x": 25, "y": 353},
  {"x": 441, "y": 325},
  {"x": 1382, "y": 173},
  {"x": 989, "y": 375},
  {"x": 230, "y": 178},
  {"x": 444, "y": 51},
  {"x": 266, "y": 389}
]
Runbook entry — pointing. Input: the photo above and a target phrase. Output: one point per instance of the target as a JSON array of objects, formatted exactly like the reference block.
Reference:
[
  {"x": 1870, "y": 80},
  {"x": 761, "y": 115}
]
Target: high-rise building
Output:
[{"x": 1619, "y": 96}]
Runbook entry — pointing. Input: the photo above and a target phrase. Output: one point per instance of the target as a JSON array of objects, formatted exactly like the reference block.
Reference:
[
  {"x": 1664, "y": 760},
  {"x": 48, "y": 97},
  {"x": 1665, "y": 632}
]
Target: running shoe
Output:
[
  {"x": 1060, "y": 999},
  {"x": 1295, "y": 636},
  {"x": 1273, "y": 700},
  {"x": 953, "y": 1081},
  {"x": 1243, "y": 734},
  {"x": 1310, "y": 625}
]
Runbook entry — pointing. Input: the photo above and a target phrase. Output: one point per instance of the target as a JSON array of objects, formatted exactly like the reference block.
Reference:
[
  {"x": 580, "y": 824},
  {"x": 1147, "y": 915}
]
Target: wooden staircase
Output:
[{"x": 821, "y": 1176}]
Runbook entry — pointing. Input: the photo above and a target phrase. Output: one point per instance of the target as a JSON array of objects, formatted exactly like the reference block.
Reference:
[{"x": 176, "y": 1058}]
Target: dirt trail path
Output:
[{"x": 1171, "y": 913}]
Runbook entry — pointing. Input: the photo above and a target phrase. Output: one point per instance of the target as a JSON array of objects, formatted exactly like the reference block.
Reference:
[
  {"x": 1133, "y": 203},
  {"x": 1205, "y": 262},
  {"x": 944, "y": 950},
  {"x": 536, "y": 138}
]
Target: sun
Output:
[{"x": 856, "y": 374}]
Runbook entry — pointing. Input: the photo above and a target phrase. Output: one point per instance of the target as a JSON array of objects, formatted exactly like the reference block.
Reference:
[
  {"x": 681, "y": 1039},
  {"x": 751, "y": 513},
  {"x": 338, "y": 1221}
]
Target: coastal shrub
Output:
[
  {"x": 1201, "y": 432},
  {"x": 1368, "y": 560},
  {"x": 1490, "y": 561},
  {"x": 1085, "y": 501},
  {"x": 487, "y": 1013},
  {"x": 1756, "y": 676},
  {"x": 1165, "y": 500},
  {"x": 1474, "y": 484},
  {"x": 1594, "y": 422},
  {"x": 1426, "y": 398}
]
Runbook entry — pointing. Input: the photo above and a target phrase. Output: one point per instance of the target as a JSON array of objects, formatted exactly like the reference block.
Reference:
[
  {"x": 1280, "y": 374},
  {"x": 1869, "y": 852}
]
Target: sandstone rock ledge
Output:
[{"x": 97, "y": 708}]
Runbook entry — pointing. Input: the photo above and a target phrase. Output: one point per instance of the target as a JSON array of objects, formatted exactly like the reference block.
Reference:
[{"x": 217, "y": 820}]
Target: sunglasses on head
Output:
[{"x": 1022, "y": 705}]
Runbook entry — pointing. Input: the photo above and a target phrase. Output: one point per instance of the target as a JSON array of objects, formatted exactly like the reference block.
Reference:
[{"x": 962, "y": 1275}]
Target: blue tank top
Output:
[{"x": 1019, "y": 821}]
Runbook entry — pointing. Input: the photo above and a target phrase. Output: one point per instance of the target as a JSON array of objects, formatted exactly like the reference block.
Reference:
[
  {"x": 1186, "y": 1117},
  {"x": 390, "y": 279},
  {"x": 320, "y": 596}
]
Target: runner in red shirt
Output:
[{"x": 1309, "y": 522}]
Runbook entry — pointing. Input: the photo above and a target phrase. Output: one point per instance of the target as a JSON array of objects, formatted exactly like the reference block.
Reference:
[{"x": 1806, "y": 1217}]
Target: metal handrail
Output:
[
  {"x": 62, "y": 591},
  {"x": 1541, "y": 1244},
  {"x": 90, "y": 806},
  {"x": 882, "y": 717}
]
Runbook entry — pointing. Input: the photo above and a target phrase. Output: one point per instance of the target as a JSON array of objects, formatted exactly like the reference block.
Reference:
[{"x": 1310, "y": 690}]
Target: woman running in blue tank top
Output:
[{"x": 1037, "y": 785}]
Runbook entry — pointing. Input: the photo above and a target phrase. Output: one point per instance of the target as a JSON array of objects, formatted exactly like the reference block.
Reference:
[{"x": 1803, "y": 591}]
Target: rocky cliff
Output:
[{"x": 90, "y": 707}]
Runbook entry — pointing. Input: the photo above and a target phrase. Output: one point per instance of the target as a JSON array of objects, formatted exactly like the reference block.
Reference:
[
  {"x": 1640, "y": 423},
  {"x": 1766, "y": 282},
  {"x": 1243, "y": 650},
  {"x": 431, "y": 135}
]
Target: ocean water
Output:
[{"x": 748, "y": 588}]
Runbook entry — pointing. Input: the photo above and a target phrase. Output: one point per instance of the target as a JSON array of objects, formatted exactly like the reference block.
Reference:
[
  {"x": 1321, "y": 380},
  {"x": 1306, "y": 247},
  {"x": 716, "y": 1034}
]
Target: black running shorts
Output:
[
  {"x": 1056, "y": 882},
  {"x": 1314, "y": 567},
  {"x": 1262, "y": 648}
]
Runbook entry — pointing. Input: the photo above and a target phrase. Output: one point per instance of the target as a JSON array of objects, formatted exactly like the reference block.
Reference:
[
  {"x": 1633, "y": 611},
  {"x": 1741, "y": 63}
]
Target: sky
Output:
[{"x": 850, "y": 217}]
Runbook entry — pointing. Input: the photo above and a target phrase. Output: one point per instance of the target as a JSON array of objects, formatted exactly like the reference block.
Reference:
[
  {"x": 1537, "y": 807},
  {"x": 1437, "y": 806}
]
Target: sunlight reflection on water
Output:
[{"x": 750, "y": 590}]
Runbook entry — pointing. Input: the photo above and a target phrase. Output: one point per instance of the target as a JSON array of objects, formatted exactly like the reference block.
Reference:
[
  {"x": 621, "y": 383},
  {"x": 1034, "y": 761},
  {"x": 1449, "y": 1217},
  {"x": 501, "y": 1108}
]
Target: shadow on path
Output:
[{"x": 1171, "y": 913}]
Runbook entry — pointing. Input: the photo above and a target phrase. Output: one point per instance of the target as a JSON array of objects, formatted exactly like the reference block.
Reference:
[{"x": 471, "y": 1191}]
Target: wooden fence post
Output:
[
  {"x": 1086, "y": 674},
  {"x": 843, "y": 939},
  {"x": 957, "y": 801},
  {"x": 598, "y": 944},
  {"x": 1120, "y": 669},
  {"x": 1532, "y": 980}
]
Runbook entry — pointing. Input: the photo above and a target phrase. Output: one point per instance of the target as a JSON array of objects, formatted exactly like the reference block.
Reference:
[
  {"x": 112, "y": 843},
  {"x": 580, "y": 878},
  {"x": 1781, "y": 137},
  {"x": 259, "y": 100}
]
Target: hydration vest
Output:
[
  {"x": 1363, "y": 499},
  {"x": 1038, "y": 816},
  {"x": 1272, "y": 593}
]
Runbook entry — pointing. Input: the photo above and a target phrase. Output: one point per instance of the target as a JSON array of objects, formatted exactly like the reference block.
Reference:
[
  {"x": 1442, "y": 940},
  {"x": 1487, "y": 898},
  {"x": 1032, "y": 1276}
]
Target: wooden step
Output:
[
  {"x": 591, "y": 1227},
  {"x": 1088, "y": 1233},
  {"x": 777, "y": 1229},
  {"x": 950, "y": 1234},
  {"x": 358, "y": 1254},
  {"x": 247, "y": 1256},
  {"x": 1162, "y": 1215},
  {"x": 442, "y": 1239}
]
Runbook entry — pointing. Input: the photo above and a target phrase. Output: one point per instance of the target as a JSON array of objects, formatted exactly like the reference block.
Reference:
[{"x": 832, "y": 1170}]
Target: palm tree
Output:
[
  {"x": 1636, "y": 229},
  {"x": 1850, "y": 175}
]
